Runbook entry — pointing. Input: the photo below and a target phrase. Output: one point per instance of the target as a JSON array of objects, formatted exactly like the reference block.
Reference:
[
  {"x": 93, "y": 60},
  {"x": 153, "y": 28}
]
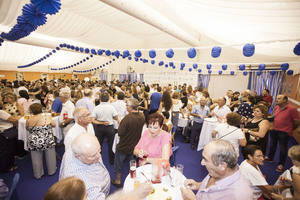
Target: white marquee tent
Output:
[{"x": 273, "y": 26}]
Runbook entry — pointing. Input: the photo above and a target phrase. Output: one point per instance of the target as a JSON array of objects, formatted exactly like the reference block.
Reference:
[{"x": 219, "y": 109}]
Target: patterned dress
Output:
[{"x": 40, "y": 138}]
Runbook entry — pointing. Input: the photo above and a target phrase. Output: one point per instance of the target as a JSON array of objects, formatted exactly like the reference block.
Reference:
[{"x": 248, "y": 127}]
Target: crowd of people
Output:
[{"x": 145, "y": 120}]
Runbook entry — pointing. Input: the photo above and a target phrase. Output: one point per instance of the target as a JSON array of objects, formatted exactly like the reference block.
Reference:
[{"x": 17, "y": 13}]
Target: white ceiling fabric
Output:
[{"x": 95, "y": 24}]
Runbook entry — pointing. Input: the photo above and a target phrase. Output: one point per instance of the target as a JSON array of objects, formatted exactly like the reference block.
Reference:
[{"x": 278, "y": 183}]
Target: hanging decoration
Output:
[
  {"x": 95, "y": 68},
  {"x": 195, "y": 66},
  {"x": 208, "y": 66},
  {"x": 224, "y": 67},
  {"x": 1, "y": 41},
  {"x": 161, "y": 63},
  {"x": 75, "y": 64},
  {"x": 209, "y": 71},
  {"x": 232, "y": 73},
  {"x": 216, "y": 52},
  {"x": 258, "y": 73},
  {"x": 245, "y": 73},
  {"x": 242, "y": 67},
  {"x": 248, "y": 50},
  {"x": 199, "y": 70},
  {"x": 170, "y": 53},
  {"x": 152, "y": 62},
  {"x": 138, "y": 53},
  {"x": 152, "y": 53},
  {"x": 261, "y": 67},
  {"x": 284, "y": 66},
  {"x": 290, "y": 72},
  {"x": 192, "y": 53},
  {"x": 273, "y": 73},
  {"x": 171, "y": 64},
  {"x": 297, "y": 49},
  {"x": 33, "y": 15},
  {"x": 190, "y": 69},
  {"x": 220, "y": 72}
]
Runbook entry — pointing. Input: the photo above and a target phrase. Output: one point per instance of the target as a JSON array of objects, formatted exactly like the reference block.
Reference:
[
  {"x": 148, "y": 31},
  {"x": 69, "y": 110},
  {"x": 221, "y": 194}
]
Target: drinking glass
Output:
[{"x": 132, "y": 168}]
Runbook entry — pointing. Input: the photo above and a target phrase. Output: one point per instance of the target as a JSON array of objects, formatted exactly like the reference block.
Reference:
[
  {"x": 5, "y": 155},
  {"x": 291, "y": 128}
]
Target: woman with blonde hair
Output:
[{"x": 70, "y": 188}]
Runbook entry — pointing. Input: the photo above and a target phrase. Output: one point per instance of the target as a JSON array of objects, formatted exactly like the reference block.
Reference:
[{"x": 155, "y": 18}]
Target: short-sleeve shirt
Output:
[
  {"x": 153, "y": 146},
  {"x": 197, "y": 109},
  {"x": 68, "y": 108},
  {"x": 234, "y": 134},
  {"x": 222, "y": 112},
  {"x": 105, "y": 112},
  {"x": 56, "y": 105},
  {"x": 255, "y": 177},
  {"x": 284, "y": 118},
  {"x": 155, "y": 100}
]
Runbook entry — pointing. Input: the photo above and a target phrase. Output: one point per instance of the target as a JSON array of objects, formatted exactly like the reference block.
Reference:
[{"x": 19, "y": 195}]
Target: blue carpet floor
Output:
[{"x": 32, "y": 189}]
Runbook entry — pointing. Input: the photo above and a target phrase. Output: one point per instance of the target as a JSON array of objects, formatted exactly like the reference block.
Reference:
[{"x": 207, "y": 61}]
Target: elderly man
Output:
[
  {"x": 130, "y": 130},
  {"x": 66, "y": 116},
  {"x": 83, "y": 124},
  {"x": 221, "y": 110},
  {"x": 224, "y": 179},
  {"x": 286, "y": 119},
  {"x": 86, "y": 100},
  {"x": 199, "y": 112},
  {"x": 85, "y": 162},
  {"x": 120, "y": 107},
  {"x": 104, "y": 115}
]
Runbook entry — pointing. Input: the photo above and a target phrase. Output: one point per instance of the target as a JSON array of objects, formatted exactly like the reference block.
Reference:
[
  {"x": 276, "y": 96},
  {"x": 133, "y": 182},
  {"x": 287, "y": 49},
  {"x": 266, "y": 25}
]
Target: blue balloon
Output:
[
  {"x": 195, "y": 66},
  {"x": 72, "y": 47},
  {"x": 129, "y": 58},
  {"x": 192, "y": 53},
  {"x": 86, "y": 50},
  {"x": 182, "y": 65},
  {"x": 245, "y": 73},
  {"x": 216, "y": 52},
  {"x": 284, "y": 66},
  {"x": 100, "y": 52},
  {"x": 135, "y": 58},
  {"x": 117, "y": 53},
  {"x": 231, "y": 72},
  {"x": 152, "y": 53},
  {"x": 107, "y": 53},
  {"x": 190, "y": 69},
  {"x": 161, "y": 63},
  {"x": 81, "y": 49},
  {"x": 261, "y": 67},
  {"x": 290, "y": 72},
  {"x": 126, "y": 53},
  {"x": 138, "y": 53},
  {"x": 220, "y": 72},
  {"x": 170, "y": 53},
  {"x": 152, "y": 62},
  {"x": 208, "y": 66},
  {"x": 297, "y": 49},
  {"x": 224, "y": 67},
  {"x": 199, "y": 70},
  {"x": 93, "y": 51},
  {"x": 166, "y": 65},
  {"x": 242, "y": 67},
  {"x": 248, "y": 50},
  {"x": 171, "y": 64}
]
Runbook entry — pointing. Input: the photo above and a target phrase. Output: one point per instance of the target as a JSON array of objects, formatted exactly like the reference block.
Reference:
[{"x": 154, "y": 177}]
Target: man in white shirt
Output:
[
  {"x": 228, "y": 97},
  {"x": 104, "y": 115},
  {"x": 250, "y": 170},
  {"x": 86, "y": 101},
  {"x": 66, "y": 115},
  {"x": 221, "y": 110},
  {"x": 120, "y": 107},
  {"x": 83, "y": 124}
]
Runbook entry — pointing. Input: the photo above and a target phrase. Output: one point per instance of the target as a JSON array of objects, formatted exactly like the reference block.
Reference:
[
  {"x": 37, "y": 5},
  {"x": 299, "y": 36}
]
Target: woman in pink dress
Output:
[{"x": 155, "y": 143}]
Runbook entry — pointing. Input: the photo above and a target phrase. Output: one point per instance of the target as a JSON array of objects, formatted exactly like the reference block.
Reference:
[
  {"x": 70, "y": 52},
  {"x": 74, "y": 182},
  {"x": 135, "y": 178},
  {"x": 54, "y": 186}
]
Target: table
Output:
[
  {"x": 23, "y": 133},
  {"x": 208, "y": 126},
  {"x": 165, "y": 181}
]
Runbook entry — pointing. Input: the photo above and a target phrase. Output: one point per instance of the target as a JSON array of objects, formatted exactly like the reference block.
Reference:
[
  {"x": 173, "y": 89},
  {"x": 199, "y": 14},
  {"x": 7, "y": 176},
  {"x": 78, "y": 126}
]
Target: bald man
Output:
[{"x": 85, "y": 162}]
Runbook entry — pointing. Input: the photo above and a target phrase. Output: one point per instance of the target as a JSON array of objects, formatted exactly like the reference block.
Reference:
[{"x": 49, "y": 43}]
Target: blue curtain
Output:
[
  {"x": 141, "y": 77},
  {"x": 103, "y": 76},
  {"x": 268, "y": 81},
  {"x": 123, "y": 77},
  {"x": 132, "y": 77},
  {"x": 203, "y": 80}
]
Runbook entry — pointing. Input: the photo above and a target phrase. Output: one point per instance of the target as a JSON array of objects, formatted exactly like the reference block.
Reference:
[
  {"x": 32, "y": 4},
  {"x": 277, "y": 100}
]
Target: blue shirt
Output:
[
  {"x": 198, "y": 110},
  {"x": 95, "y": 176},
  {"x": 56, "y": 105},
  {"x": 155, "y": 100}
]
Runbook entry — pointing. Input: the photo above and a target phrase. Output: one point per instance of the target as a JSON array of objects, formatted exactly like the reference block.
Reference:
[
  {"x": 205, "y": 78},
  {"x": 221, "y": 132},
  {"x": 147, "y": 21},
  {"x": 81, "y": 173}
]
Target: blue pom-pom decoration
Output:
[
  {"x": 161, "y": 63},
  {"x": 297, "y": 49},
  {"x": 171, "y": 64},
  {"x": 199, "y": 70},
  {"x": 126, "y": 53},
  {"x": 129, "y": 57},
  {"x": 248, "y": 50},
  {"x": 166, "y": 65},
  {"x": 152, "y": 62},
  {"x": 195, "y": 66},
  {"x": 107, "y": 53},
  {"x": 245, "y": 73},
  {"x": 86, "y": 50},
  {"x": 137, "y": 53},
  {"x": 284, "y": 66},
  {"x": 152, "y": 53},
  {"x": 81, "y": 49},
  {"x": 170, "y": 53},
  {"x": 273, "y": 73},
  {"x": 209, "y": 71},
  {"x": 261, "y": 67},
  {"x": 216, "y": 52},
  {"x": 182, "y": 65},
  {"x": 76, "y": 48},
  {"x": 135, "y": 58},
  {"x": 192, "y": 53},
  {"x": 224, "y": 67},
  {"x": 190, "y": 69},
  {"x": 231, "y": 72},
  {"x": 100, "y": 52},
  {"x": 208, "y": 66},
  {"x": 220, "y": 72},
  {"x": 116, "y": 53},
  {"x": 47, "y": 6},
  {"x": 93, "y": 51},
  {"x": 242, "y": 67},
  {"x": 290, "y": 72},
  {"x": 33, "y": 15}
]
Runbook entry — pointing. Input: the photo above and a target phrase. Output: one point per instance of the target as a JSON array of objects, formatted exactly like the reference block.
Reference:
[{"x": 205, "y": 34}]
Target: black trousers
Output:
[
  {"x": 101, "y": 132},
  {"x": 7, "y": 150},
  {"x": 196, "y": 130},
  {"x": 282, "y": 138}
]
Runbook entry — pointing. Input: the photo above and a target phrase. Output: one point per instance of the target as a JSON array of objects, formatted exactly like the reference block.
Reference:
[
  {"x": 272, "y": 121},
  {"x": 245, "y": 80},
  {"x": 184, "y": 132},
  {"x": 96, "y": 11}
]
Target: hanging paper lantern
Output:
[
  {"x": 47, "y": 6},
  {"x": 152, "y": 53},
  {"x": 170, "y": 53},
  {"x": 231, "y": 72},
  {"x": 192, "y": 53},
  {"x": 171, "y": 64},
  {"x": 284, "y": 66},
  {"x": 126, "y": 53},
  {"x": 199, "y": 70},
  {"x": 23, "y": 23},
  {"x": 242, "y": 67},
  {"x": 152, "y": 62},
  {"x": 273, "y": 73},
  {"x": 161, "y": 63},
  {"x": 220, "y": 72},
  {"x": 216, "y": 51},
  {"x": 190, "y": 69},
  {"x": 195, "y": 66},
  {"x": 86, "y": 50},
  {"x": 93, "y": 51},
  {"x": 208, "y": 66},
  {"x": 107, "y": 53},
  {"x": 209, "y": 71},
  {"x": 248, "y": 50},
  {"x": 33, "y": 15},
  {"x": 261, "y": 67},
  {"x": 138, "y": 53},
  {"x": 297, "y": 49},
  {"x": 224, "y": 67},
  {"x": 290, "y": 72},
  {"x": 245, "y": 73}
]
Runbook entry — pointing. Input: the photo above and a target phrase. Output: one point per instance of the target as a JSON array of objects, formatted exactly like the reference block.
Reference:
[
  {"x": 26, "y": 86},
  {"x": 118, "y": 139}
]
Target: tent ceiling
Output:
[{"x": 96, "y": 24}]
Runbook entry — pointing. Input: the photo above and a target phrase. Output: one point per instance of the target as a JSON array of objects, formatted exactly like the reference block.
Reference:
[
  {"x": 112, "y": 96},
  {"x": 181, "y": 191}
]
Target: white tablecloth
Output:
[
  {"x": 23, "y": 133},
  {"x": 209, "y": 125},
  {"x": 177, "y": 178}
]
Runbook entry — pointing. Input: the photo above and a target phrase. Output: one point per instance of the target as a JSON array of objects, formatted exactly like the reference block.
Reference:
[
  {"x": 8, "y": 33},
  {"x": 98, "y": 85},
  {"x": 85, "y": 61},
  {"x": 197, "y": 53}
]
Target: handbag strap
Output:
[{"x": 228, "y": 133}]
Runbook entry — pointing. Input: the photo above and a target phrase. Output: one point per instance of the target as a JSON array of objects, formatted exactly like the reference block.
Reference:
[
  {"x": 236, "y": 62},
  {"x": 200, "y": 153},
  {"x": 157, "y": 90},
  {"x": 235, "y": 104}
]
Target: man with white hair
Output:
[
  {"x": 85, "y": 162},
  {"x": 221, "y": 110},
  {"x": 224, "y": 179},
  {"x": 83, "y": 124},
  {"x": 66, "y": 115},
  {"x": 86, "y": 100}
]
